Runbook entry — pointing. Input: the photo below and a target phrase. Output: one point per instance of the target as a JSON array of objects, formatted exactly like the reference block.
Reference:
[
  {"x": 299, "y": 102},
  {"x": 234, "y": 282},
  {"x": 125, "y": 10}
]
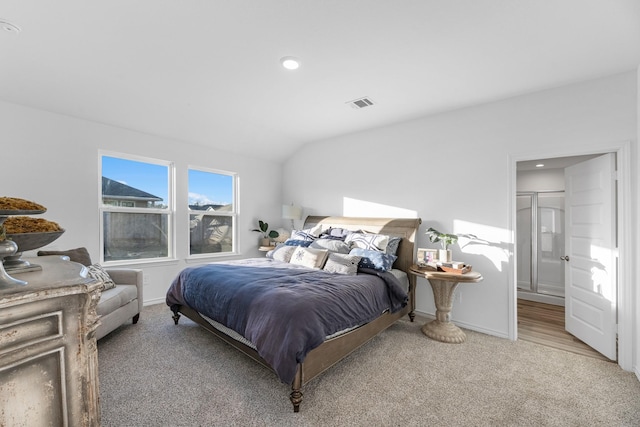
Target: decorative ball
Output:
[{"x": 282, "y": 235}]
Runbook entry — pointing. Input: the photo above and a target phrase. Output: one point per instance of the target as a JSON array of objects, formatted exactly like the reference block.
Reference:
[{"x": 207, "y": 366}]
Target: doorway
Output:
[
  {"x": 541, "y": 260},
  {"x": 626, "y": 253}
]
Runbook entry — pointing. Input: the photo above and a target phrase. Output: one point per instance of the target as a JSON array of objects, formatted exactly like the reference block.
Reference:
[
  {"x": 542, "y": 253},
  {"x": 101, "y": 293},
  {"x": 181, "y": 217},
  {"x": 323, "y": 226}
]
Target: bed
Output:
[{"x": 264, "y": 285}]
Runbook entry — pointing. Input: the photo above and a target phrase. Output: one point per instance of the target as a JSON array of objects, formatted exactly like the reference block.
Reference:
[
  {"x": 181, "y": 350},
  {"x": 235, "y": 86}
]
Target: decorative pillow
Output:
[
  {"x": 308, "y": 234},
  {"x": 79, "y": 255},
  {"x": 98, "y": 273},
  {"x": 376, "y": 242},
  {"x": 293, "y": 242},
  {"x": 393, "y": 245},
  {"x": 281, "y": 253},
  {"x": 309, "y": 257},
  {"x": 331, "y": 245},
  {"x": 342, "y": 264},
  {"x": 374, "y": 259},
  {"x": 335, "y": 233}
]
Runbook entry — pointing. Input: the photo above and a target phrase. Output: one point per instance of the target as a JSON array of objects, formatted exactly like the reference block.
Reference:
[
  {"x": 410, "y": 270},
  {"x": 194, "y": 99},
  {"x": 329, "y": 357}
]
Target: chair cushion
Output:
[
  {"x": 115, "y": 298},
  {"x": 79, "y": 255}
]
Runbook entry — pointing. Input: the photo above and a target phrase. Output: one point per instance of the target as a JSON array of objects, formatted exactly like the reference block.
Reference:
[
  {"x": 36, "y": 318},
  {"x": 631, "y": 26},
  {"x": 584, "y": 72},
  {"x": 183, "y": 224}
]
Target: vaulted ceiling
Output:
[{"x": 209, "y": 72}]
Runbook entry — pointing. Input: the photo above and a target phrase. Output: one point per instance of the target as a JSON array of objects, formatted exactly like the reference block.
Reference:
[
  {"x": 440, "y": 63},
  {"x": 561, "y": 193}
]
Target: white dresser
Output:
[{"x": 48, "y": 353}]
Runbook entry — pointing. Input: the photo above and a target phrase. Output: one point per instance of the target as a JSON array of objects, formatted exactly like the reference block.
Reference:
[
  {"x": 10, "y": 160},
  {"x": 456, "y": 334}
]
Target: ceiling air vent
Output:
[{"x": 360, "y": 103}]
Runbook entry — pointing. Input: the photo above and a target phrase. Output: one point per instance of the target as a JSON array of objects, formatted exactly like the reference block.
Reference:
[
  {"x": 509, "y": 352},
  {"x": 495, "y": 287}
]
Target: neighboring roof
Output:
[
  {"x": 118, "y": 190},
  {"x": 205, "y": 207}
]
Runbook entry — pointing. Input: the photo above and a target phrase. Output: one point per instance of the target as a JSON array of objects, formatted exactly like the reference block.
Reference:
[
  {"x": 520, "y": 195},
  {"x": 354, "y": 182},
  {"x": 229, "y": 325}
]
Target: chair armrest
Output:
[{"x": 129, "y": 276}]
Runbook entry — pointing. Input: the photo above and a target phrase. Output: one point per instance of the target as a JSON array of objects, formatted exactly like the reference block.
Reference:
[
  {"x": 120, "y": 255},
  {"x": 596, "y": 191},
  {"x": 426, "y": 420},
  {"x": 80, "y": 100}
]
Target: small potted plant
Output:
[
  {"x": 267, "y": 235},
  {"x": 435, "y": 236}
]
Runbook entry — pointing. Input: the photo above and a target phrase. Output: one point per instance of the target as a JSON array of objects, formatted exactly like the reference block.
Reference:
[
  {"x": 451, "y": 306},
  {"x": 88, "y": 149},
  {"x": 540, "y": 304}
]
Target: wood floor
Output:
[{"x": 544, "y": 324}]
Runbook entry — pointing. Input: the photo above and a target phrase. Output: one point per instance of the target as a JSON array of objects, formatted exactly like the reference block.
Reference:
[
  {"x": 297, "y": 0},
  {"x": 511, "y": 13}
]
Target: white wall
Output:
[
  {"x": 53, "y": 160},
  {"x": 454, "y": 170},
  {"x": 541, "y": 180}
]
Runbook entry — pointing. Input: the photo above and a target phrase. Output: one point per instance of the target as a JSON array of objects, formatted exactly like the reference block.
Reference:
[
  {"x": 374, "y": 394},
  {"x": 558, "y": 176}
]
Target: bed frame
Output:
[{"x": 335, "y": 349}]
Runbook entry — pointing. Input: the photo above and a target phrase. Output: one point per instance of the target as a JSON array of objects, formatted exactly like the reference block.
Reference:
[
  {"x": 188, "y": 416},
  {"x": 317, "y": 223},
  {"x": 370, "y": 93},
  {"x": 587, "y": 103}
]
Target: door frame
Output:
[{"x": 625, "y": 248}]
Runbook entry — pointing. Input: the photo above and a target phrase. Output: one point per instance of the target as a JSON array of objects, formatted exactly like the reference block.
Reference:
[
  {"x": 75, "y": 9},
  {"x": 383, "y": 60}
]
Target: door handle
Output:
[{"x": 565, "y": 258}]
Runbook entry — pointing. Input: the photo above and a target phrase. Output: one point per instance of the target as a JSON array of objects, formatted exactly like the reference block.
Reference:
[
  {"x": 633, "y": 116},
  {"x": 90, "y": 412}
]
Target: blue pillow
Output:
[
  {"x": 374, "y": 259},
  {"x": 295, "y": 242}
]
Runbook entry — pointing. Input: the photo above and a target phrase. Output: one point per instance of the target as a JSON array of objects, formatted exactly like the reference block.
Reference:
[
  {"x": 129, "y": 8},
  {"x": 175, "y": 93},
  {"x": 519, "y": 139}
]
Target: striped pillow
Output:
[
  {"x": 99, "y": 274},
  {"x": 309, "y": 234},
  {"x": 374, "y": 242}
]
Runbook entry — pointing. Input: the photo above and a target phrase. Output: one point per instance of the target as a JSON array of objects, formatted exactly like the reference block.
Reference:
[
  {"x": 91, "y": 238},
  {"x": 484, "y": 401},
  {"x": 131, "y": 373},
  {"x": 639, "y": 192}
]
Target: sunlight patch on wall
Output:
[
  {"x": 602, "y": 261},
  {"x": 362, "y": 208},
  {"x": 592, "y": 268},
  {"x": 491, "y": 242}
]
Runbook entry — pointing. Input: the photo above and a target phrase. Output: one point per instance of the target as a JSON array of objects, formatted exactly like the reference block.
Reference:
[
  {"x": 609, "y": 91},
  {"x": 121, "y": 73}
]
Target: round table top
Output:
[{"x": 471, "y": 276}]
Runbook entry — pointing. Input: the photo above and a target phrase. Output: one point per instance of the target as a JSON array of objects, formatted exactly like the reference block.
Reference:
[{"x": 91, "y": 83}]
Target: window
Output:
[
  {"x": 135, "y": 207},
  {"x": 212, "y": 212}
]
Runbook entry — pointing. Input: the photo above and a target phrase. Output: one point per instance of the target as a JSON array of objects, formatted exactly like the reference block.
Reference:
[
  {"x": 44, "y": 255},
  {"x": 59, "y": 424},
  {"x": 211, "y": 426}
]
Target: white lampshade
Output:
[{"x": 291, "y": 212}]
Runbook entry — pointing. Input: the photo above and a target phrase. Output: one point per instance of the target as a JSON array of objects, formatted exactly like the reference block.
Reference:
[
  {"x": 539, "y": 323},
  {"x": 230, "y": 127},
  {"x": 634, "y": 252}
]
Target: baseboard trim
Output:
[
  {"x": 154, "y": 301},
  {"x": 547, "y": 299}
]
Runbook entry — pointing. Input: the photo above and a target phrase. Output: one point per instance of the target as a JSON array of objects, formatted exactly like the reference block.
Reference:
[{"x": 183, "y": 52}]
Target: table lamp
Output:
[{"x": 291, "y": 212}]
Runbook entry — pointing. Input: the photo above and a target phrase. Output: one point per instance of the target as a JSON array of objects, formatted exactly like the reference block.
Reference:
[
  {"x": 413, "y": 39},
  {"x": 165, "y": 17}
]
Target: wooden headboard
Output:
[{"x": 401, "y": 227}]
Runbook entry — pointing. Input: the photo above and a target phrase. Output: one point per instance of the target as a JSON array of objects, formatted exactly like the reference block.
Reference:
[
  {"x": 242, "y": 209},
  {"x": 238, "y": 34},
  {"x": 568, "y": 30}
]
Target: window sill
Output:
[
  {"x": 133, "y": 263},
  {"x": 210, "y": 258}
]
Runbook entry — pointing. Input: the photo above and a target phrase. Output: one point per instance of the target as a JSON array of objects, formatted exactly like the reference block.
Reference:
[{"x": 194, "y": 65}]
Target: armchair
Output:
[{"x": 118, "y": 304}]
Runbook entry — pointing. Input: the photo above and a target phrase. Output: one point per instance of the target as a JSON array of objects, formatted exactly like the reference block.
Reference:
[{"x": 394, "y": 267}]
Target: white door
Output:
[{"x": 590, "y": 276}]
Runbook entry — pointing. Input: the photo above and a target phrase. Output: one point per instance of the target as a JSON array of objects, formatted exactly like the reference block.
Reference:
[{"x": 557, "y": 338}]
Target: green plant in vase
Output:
[
  {"x": 445, "y": 240},
  {"x": 267, "y": 234}
]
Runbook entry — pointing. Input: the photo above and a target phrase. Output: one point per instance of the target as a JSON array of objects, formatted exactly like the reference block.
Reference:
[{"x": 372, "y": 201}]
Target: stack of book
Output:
[{"x": 454, "y": 267}]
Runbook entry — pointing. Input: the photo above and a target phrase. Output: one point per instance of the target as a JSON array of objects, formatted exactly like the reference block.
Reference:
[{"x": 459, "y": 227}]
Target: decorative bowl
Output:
[{"x": 31, "y": 241}]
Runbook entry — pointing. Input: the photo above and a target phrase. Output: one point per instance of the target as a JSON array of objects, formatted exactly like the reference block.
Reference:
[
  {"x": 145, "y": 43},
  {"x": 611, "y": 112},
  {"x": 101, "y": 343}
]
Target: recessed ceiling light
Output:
[
  {"x": 540, "y": 165},
  {"x": 9, "y": 27},
  {"x": 290, "y": 62}
]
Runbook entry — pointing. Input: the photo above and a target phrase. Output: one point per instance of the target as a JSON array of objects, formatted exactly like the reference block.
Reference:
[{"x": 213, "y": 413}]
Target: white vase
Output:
[{"x": 444, "y": 255}]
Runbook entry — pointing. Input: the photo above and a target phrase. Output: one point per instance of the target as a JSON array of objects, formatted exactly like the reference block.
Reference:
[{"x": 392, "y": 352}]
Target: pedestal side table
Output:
[{"x": 443, "y": 285}]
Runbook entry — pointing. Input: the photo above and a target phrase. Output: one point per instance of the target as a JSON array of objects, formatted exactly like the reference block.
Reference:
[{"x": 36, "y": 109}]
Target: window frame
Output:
[
  {"x": 233, "y": 214},
  {"x": 169, "y": 211}
]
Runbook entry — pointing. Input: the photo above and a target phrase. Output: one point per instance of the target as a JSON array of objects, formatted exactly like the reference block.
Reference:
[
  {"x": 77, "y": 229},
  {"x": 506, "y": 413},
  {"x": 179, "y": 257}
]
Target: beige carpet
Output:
[{"x": 158, "y": 374}]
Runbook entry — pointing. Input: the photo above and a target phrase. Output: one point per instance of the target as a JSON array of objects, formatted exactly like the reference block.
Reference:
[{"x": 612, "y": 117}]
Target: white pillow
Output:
[
  {"x": 370, "y": 241},
  {"x": 309, "y": 257},
  {"x": 342, "y": 264},
  {"x": 281, "y": 253},
  {"x": 331, "y": 245}
]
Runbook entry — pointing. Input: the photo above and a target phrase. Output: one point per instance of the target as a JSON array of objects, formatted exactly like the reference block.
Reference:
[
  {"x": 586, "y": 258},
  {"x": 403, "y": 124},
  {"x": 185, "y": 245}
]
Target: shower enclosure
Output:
[{"x": 540, "y": 240}]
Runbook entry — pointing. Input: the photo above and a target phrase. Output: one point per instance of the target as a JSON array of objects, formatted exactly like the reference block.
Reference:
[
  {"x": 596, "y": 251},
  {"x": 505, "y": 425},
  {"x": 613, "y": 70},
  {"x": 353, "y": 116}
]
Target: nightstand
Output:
[{"x": 443, "y": 284}]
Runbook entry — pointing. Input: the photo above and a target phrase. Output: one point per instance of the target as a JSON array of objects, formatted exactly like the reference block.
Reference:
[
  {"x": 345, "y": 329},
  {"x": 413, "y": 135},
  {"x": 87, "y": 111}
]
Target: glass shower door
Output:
[
  {"x": 524, "y": 231},
  {"x": 540, "y": 240},
  {"x": 550, "y": 232}
]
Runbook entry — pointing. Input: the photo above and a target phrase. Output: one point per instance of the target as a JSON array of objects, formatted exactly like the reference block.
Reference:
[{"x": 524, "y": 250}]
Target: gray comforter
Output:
[{"x": 283, "y": 309}]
